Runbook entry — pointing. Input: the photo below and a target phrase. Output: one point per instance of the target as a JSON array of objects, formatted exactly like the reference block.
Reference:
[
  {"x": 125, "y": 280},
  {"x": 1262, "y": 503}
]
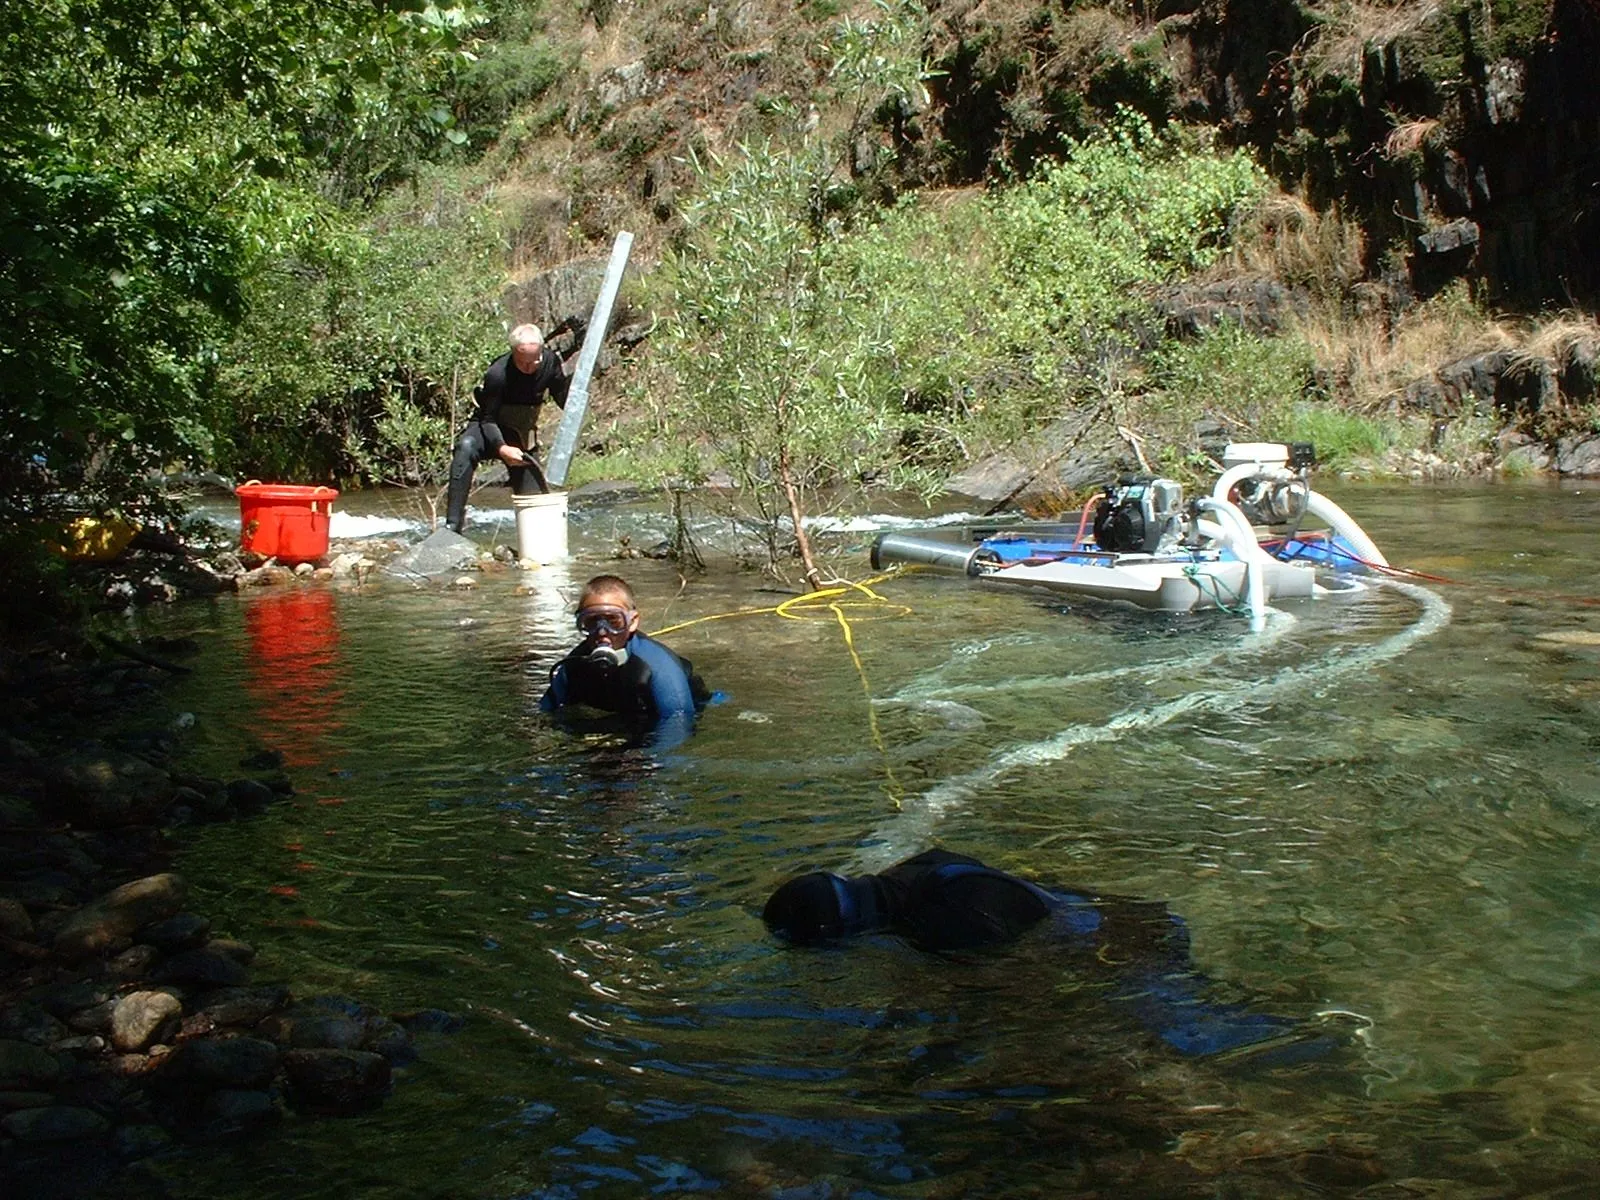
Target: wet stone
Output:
[
  {"x": 336, "y": 1081},
  {"x": 138, "y": 1015},
  {"x": 234, "y": 1110},
  {"x": 240, "y": 952},
  {"x": 388, "y": 1039},
  {"x": 129, "y": 1066},
  {"x": 94, "y": 1019},
  {"x": 204, "y": 967},
  {"x": 250, "y": 795},
  {"x": 133, "y": 1142},
  {"x": 14, "y": 919},
  {"x": 23, "y": 1064},
  {"x": 312, "y": 1030},
  {"x": 57, "y": 1123},
  {"x": 430, "y": 1020},
  {"x": 244, "y": 1006},
  {"x": 85, "y": 1046},
  {"x": 134, "y": 963},
  {"x": 14, "y": 1101},
  {"x": 185, "y": 931},
  {"x": 29, "y": 1022},
  {"x": 73, "y": 996},
  {"x": 96, "y": 927},
  {"x": 241, "y": 1062}
]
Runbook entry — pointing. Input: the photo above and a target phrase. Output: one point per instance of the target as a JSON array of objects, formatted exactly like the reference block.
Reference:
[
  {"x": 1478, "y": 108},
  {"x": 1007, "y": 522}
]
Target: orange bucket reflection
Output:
[{"x": 294, "y": 671}]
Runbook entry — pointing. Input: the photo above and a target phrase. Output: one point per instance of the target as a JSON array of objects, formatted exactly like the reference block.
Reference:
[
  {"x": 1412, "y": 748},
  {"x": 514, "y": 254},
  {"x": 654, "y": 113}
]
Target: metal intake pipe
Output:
[{"x": 930, "y": 552}]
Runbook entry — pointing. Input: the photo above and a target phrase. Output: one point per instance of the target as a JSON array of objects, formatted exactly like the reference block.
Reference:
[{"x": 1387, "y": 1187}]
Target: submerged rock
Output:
[
  {"x": 57, "y": 1123},
  {"x": 98, "y": 926},
  {"x": 337, "y": 1081}
]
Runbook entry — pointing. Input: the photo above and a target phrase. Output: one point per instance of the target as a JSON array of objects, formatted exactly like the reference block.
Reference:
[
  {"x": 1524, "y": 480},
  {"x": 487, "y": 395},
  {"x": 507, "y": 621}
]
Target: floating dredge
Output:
[{"x": 1241, "y": 548}]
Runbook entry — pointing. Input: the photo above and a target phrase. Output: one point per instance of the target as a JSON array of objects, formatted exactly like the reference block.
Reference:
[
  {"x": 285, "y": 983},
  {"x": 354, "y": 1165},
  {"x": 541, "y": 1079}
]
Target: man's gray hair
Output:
[{"x": 524, "y": 335}]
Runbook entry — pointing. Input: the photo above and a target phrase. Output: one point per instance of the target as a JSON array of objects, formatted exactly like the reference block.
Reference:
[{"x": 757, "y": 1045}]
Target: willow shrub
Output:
[
  {"x": 887, "y": 345},
  {"x": 360, "y": 349}
]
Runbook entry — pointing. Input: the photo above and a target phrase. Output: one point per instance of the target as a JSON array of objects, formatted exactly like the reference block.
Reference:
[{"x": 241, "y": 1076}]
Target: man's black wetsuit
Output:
[
  {"x": 503, "y": 386},
  {"x": 653, "y": 686},
  {"x": 943, "y": 901}
]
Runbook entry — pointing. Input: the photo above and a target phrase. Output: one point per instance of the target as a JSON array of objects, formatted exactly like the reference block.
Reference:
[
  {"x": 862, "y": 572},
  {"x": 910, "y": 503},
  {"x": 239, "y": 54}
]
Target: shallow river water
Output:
[{"x": 1380, "y": 813}]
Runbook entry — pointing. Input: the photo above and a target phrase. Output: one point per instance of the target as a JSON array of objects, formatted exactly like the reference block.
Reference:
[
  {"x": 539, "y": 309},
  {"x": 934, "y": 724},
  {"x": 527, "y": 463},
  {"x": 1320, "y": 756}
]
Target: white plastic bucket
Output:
[{"x": 541, "y": 528}]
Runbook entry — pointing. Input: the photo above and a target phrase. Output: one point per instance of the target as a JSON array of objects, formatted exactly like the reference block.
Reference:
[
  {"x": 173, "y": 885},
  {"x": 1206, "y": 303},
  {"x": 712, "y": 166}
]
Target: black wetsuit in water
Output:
[
  {"x": 943, "y": 901},
  {"x": 652, "y": 685}
]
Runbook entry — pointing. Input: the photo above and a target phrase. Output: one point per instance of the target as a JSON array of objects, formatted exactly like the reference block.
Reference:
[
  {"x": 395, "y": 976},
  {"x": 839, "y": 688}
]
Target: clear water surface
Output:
[{"x": 1381, "y": 808}]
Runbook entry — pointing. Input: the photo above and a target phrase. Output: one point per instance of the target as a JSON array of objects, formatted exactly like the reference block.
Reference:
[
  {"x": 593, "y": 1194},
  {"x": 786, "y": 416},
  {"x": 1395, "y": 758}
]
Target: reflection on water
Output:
[
  {"x": 294, "y": 670},
  {"x": 1381, "y": 806}
]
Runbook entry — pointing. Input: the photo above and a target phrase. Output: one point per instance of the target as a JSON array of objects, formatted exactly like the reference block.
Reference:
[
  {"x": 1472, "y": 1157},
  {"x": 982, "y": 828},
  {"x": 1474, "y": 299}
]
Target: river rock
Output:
[
  {"x": 94, "y": 1019},
  {"x": 269, "y": 575},
  {"x": 185, "y": 931},
  {"x": 98, "y": 926},
  {"x": 27, "y": 1021},
  {"x": 133, "y": 1142},
  {"x": 238, "y": 1110},
  {"x": 58, "y": 1123},
  {"x": 105, "y": 790},
  {"x": 441, "y": 551},
  {"x": 244, "y": 1006},
  {"x": 134, "y": 963},
  {"x": 240, "y": 952},
  {"x": 388, "y": 1039},
  {"x": 138, "y": 1015},
  {"x": 13, "y": 1101},
  {"x": 1578, "y": 455},
  {"x": 336, "y": 1081},
  {"x": 304, "y": 1029},
  {"x": 14, "y": 919},
  {"x": 204, "y": 967},
  {"x": 430, "y": 1020},
  {"x": 223, "y": 1062},
  {"x": 24, "y": 1066},
  {"x": 250, "y": 795}
]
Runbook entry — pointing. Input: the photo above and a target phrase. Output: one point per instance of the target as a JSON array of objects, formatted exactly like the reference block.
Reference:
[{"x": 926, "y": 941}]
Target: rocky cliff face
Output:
[{"x": 1465, "y": 137}]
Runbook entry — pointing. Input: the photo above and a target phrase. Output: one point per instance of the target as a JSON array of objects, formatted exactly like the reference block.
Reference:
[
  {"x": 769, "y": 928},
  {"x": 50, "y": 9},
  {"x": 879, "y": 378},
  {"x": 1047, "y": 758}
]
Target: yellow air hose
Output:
[{"x": 827, "y": 602}]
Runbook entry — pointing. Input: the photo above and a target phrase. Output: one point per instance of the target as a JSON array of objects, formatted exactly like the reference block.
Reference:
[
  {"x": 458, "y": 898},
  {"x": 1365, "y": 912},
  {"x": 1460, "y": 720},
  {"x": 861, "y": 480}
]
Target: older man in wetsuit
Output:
[{"x": 505, "y": 424}]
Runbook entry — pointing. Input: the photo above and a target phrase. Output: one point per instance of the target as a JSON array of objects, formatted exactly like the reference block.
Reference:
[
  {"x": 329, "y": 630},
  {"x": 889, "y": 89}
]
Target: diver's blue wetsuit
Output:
[
  {"x": 943, "y": 901},
  {"x": 651, "y": 684}
]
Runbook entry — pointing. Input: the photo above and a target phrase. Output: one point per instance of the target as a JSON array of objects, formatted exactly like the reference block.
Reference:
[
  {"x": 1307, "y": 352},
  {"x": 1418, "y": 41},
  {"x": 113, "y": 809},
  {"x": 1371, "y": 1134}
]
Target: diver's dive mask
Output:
[{"x": 604, "y": 618}]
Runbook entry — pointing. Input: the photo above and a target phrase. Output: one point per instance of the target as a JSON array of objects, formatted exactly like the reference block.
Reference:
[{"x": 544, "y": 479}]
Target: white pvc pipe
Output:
[
  {"x": 1340, "y": 522},
  {"x": 1231, "y": 476},
  {"x": 572, "y": 413},
  {"x": 1241, "y": 539},
  {"x": 1236, "y": 530}
]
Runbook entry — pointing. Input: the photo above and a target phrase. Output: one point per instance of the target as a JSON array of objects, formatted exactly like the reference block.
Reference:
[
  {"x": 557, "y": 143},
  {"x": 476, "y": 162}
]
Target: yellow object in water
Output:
[{"x": 95, "y": 539}]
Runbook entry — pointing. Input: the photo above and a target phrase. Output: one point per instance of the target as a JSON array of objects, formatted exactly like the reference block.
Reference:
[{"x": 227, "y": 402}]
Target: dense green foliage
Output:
[
  {"x": 359, "y": 353},
  {"x": 889, "y": 347},
  {"x": 154, "y": 156}
]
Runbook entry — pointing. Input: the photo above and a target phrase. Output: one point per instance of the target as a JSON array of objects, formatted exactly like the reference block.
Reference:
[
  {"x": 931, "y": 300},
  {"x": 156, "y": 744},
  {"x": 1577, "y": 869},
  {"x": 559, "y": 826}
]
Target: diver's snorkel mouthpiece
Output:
[{"x": 614, "y": 656}]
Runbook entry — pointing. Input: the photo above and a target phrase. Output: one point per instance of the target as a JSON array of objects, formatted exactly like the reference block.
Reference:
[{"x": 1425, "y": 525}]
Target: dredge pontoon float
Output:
[{"x": 1244, "y": 546}]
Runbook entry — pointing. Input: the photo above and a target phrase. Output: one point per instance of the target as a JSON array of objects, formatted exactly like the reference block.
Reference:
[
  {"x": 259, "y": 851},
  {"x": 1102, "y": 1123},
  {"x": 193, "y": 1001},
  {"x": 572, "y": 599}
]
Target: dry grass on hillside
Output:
[
  {"x": 1373, "y": 355},
  {"x": 1284, "y": 238},
  {"x": 1347, "y": 27}
]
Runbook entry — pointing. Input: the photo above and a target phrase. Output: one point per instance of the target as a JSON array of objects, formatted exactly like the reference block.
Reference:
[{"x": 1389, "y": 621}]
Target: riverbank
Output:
[{"x": 130, "y": 1028}]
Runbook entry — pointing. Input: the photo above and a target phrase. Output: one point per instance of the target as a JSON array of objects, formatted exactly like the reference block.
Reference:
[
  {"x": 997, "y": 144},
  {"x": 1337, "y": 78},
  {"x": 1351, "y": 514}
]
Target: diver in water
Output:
[
  {"x": 617, "y": 669},
  {"x": 941, "y": 901}
]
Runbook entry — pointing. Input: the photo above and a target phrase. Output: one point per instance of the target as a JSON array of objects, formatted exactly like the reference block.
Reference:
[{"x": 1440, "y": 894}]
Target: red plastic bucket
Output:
[{"x": 285, "y": 521}]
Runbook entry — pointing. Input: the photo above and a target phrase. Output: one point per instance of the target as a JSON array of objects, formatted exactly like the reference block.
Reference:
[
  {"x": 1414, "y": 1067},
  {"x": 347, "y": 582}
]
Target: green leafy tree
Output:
[
  {"x": 153, "y": 153},
  {"x": 779, "y": 387}
]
